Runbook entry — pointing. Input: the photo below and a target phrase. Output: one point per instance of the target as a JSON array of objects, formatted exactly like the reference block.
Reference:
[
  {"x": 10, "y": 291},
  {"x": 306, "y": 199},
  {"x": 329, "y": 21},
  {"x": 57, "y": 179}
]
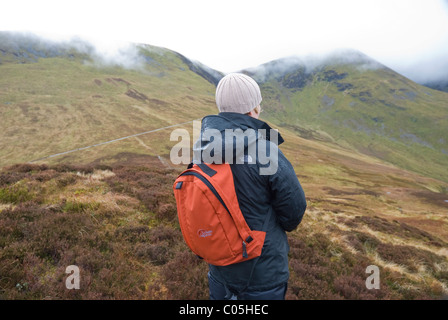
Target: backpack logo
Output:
[{"x": 204, "y": 233}]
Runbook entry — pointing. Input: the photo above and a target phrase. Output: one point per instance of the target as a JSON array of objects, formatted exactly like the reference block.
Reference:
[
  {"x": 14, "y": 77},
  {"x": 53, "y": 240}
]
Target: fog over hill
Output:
[
  {"x": 28, "y": 47},
  {"x": 441, "y": 85},
  {"x": 312, "y": 63}
]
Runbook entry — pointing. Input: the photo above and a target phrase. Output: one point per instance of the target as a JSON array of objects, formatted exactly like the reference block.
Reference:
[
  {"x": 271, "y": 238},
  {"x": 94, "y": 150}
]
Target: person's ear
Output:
[{"x": 255, "y": 113}]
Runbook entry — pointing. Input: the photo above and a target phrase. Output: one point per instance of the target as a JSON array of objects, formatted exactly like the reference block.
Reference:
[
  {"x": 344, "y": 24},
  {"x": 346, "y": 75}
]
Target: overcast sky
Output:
[{"x": 410, "y": 36}]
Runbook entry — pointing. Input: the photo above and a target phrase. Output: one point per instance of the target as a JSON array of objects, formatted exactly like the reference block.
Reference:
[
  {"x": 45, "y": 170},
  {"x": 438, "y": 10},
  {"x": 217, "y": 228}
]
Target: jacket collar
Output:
[{"x": 233, "y": 120}]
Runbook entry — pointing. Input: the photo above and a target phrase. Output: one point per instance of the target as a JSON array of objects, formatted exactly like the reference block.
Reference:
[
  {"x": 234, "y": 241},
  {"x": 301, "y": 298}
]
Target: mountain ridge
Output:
[
  {"x": 375, "y": 103},
  {"x": 345, "y": 95}
]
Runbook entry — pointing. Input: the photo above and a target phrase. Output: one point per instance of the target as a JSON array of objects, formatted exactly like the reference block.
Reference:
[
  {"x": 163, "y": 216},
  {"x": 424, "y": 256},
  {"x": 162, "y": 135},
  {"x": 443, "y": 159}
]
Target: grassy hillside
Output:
[
  {"x": 57, "y": 103},
  {"x": 360, "y": 104},
  {"x": 110, "y": 209}
]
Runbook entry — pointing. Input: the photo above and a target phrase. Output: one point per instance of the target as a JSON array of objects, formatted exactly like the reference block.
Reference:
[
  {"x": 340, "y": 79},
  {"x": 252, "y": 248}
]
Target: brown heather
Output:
[{"x": 118, "y": 224}]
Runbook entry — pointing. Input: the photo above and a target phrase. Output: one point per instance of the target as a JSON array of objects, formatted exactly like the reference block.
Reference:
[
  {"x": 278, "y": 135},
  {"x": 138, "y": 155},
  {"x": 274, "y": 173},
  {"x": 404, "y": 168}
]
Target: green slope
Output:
[
  {"x": 58, "y": 98},
  {"x": 361, "y": 105}
]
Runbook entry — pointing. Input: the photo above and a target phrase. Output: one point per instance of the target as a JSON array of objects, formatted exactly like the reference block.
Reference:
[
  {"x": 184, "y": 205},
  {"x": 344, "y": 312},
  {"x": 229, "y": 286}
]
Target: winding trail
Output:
[{"x": 110, "y": 141}]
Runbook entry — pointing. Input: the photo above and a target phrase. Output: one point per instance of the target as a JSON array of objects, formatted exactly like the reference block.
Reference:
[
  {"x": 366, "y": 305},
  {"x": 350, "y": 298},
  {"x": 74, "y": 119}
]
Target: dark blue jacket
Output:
[{"x": 279, "y": 193}]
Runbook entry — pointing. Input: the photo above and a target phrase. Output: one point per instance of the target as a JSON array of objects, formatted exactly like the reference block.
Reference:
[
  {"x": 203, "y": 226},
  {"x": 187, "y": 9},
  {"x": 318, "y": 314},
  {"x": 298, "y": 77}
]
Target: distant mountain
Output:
[
  {"x": 441, "y": 85},
  {"x": 350, "y": 99},
  {"x": 28, "y": 48},
  {"x": 211, "y": 75},
  {"x": 307, "y": 65}
]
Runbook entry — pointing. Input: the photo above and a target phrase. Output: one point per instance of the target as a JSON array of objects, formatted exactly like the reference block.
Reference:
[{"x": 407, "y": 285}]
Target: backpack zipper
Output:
[{"x": 208, "y": 184}]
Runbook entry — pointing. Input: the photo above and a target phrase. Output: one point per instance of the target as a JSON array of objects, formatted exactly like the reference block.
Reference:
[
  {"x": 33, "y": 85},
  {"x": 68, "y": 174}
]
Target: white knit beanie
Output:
[{"x": 237, "y": 92}]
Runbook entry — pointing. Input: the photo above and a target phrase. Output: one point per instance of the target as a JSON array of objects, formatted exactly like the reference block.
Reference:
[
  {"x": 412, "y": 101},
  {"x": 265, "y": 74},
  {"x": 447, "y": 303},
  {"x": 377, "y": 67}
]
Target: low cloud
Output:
[
  {"x": 427, "y": 67},
  {"x": 426, "y": 70},
  {"x": 126, "y": 55},
  {"x": 310, "y": 62},
  {"x": 101, "y": 53}
]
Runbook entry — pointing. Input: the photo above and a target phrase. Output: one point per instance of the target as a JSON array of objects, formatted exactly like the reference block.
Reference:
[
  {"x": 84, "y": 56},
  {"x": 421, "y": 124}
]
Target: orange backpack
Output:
[{"x": 211, "y": 221}]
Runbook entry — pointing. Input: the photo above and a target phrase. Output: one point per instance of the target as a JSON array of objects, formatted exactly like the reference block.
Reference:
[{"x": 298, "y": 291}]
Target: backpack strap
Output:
[
  {"x": 255, "y": 260},
  {"x": 264, "y": 228},
  {"x": 206, "y": 169}
]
